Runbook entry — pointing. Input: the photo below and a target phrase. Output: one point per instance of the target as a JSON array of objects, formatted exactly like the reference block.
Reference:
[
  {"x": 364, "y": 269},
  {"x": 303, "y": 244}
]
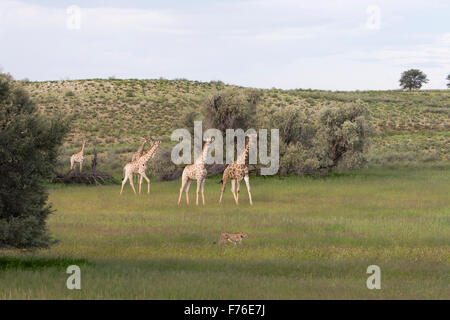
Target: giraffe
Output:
[
  {"x": 140, "y": 150},
  {"x": 195, "y": 171},
  {"x": 236, "y": 172},
  {"x": 139, "y": 166},
  {"x": 78, "y": 157}
]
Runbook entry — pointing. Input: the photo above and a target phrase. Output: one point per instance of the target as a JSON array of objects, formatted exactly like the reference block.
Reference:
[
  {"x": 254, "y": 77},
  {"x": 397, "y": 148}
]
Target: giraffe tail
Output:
[{"x": 220, "y": 182}]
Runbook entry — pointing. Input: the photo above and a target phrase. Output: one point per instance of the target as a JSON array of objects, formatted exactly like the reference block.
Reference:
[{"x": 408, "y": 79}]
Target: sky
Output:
[{"x": 330, "y": 45}]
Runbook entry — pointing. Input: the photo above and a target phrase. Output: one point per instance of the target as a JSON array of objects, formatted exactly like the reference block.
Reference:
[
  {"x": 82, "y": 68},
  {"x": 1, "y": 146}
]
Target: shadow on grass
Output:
[
  {"x": 351, "y": 268},
  {"x": 7, "y": 263}
]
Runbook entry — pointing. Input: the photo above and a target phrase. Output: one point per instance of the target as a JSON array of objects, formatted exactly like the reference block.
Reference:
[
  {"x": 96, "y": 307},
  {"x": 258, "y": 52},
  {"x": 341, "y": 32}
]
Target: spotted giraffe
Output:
[
  {"x": 195, "y": 171},
  {"x": 139, "y": 166},
  {"x": 140, "y": 151},
  {"x": 236, "y": 172},
  {"x": 78, "y": 157}
]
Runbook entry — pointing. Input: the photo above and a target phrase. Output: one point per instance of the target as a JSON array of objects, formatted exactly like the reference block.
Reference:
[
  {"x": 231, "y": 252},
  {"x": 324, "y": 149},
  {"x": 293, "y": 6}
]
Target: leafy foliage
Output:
[
  {"x": 29, "y": 147},
  {"x": 231, "y": 109},
  {"x": 335, "y": 136},
  {"x": 413, "y": 79}
]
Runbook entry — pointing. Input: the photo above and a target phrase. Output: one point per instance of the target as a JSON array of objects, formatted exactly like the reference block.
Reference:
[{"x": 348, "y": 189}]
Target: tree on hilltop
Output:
[{"x": 413, "y": 79}]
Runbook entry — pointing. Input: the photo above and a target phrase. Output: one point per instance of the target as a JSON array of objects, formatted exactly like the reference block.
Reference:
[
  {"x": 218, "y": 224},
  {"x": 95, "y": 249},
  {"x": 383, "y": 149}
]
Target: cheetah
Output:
[{"x": 232, "y": 237}]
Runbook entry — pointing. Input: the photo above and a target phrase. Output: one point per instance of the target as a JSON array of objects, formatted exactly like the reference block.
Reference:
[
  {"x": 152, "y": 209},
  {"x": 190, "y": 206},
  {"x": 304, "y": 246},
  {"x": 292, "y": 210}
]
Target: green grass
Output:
[{"x": 308, "y": 238}]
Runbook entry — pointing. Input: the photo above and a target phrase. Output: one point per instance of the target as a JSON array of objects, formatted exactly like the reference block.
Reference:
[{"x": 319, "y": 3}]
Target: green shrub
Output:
[
  {"x": 29, "y": 145},
  {"x": 69, "y": 93}
]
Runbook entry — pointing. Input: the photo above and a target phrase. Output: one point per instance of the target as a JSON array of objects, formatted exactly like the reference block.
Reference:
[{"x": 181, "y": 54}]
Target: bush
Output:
[
  {"x": 29, "y": 143},
  {"x": 334, "y": 137},
  {"x": 341, "y": 138},
  {"x": 231, "y": 109},
  {"x": 162, "y": 167}
]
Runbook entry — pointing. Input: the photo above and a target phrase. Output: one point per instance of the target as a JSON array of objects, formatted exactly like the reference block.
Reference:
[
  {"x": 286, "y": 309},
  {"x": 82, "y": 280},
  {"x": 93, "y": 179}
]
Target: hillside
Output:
[{"x": 410, "y": 126}]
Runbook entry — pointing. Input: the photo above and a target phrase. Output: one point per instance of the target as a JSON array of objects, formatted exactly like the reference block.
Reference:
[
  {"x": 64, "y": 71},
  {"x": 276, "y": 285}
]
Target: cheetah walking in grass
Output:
[{"x": 232, "y": 237}]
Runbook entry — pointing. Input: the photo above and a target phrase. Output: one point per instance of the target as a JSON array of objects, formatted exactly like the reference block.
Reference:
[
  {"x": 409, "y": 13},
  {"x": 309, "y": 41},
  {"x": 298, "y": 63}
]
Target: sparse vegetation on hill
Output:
[{"x": 410, "y": 126}]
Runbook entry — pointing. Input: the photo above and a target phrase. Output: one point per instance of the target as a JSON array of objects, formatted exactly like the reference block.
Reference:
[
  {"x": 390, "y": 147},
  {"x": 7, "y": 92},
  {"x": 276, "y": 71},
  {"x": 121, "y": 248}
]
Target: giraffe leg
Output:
[
  {"x": 199, "y": 182},
  {"x": 238, "y": 182},
  {"x": 71, "y": 163},
  {"x": 188, "y": 185},
  {"x": 81, "y": 166},
  {"x": 183, "y": 184},
  {"x": 224, "y": 183},
  {"x": 233, "y": 188},
  {"x": 203, "y": 191},
  {"x": 247, "y": 183},
  {"x": 140, "y": 183},
  {"x": 130, "y": 178},
  {"x": 148, "y": 182},
  {"x": 123, "y": 183}
]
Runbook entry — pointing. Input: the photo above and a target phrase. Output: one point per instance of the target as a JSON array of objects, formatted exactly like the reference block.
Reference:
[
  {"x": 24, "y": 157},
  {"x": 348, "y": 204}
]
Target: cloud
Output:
[
  {"x": 17, "y": 14},
  {"x": 436, "y": 51},
  {"x": 281, "y": 43}
]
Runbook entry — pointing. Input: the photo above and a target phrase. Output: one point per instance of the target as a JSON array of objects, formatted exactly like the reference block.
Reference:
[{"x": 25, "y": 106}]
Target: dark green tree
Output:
[
  {"x": 29, "y": 144},
  {"x": 231, "y": 109},
  {"x": 448, "y": 79},
  {"x": 413, "y": 79}
]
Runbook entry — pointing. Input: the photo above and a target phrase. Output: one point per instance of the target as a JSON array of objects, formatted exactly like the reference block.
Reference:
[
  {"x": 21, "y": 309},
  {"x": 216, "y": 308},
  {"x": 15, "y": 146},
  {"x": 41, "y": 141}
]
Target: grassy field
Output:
[{"x": 308, "y": 238}]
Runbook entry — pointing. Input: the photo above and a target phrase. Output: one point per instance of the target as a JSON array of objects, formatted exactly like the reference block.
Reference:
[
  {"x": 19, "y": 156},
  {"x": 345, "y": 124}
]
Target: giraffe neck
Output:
[
  {"x": 150, "y": 153},
  {"x": 201, "y": 160},
  {"x": 243, "y": 156},
  {"x": 141, "y": 148},
  {"x": 82, "y": 148}
]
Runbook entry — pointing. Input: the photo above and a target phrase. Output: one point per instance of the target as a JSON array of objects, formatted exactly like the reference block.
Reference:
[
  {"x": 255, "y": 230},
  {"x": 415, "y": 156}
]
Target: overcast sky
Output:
[{"x": 335, "y": 45}]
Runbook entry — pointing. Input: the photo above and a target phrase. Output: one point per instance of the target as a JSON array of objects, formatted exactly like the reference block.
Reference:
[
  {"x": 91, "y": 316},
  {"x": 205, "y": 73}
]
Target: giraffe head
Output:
[
  {"x": 155, "y": 144},
  {"x": 150, "y": 152},
  {"x": 149, "y": 139},
  {"x": 202, "y": 157},
  {"x": 208, "y": 142}
]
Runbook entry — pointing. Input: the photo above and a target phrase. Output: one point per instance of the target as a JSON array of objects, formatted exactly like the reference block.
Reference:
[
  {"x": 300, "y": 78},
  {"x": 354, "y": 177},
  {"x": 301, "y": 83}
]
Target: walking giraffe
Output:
[
  {"x": 140, "y": 150},
  {"x": 139, "y": 166},
  {"x": 196, "y": 172},
  {"x": 78, "y": 157},
  {"x": 238, "y": 171}
]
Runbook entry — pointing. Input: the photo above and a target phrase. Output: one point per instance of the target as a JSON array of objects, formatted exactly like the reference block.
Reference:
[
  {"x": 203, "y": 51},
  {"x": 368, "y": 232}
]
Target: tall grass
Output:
[{"x": 308, "y": 238}]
